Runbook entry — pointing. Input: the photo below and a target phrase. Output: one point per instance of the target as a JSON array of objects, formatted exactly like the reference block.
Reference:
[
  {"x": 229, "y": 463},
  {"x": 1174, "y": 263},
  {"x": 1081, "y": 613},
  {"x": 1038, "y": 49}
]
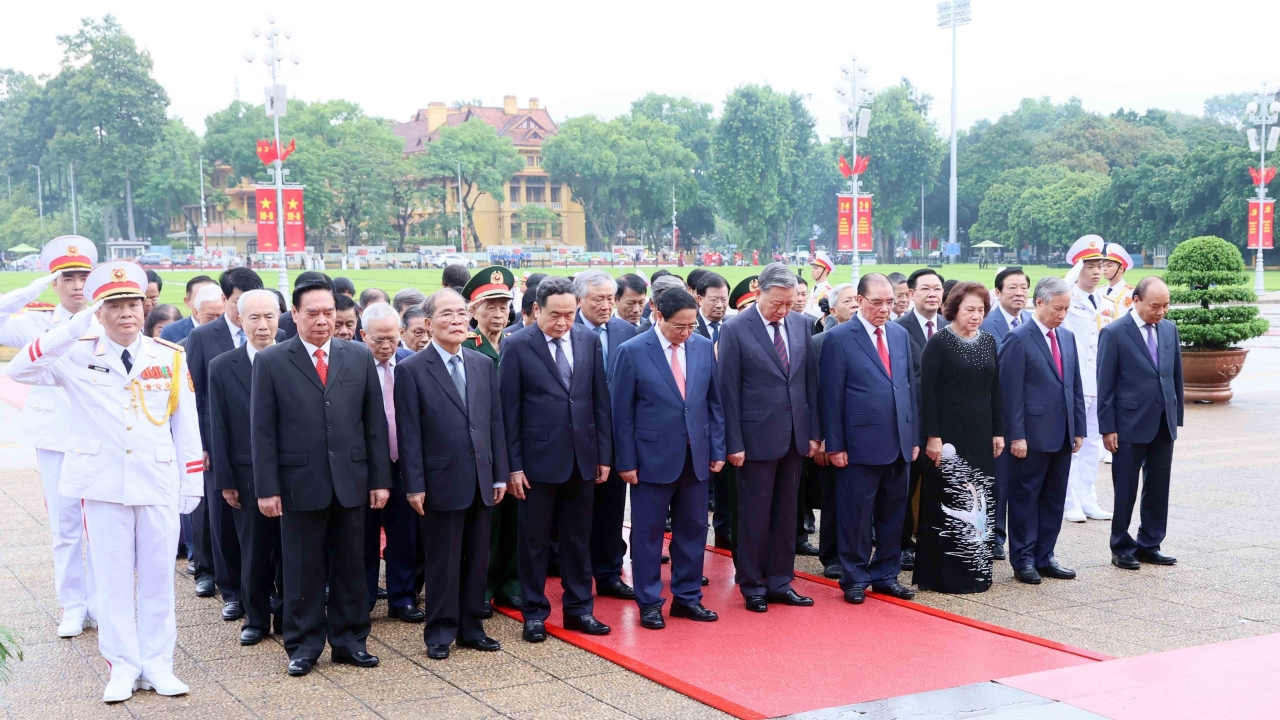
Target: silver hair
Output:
[
  {"x": 835, "y": 291},
  {"x": 411, "y": 313},
  {"x": 407, "y": 296},
  {"x": 663, "y": 284},
  {"x": 588, "y": 279},
  {"x": 208, "y": 293},
  {"x": 777, "y": 275},
  {"x": 378, "y": 311},
  {"x": 246, "y": 297},
  {"x": 1049, "y": 288},
  {"x": 429, "y": 305}
]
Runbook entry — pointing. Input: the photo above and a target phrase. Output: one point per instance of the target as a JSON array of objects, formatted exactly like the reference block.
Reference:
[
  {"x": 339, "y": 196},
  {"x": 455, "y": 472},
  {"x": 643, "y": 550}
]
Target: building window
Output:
[
  {"x": 515, "y": 191},
  {"x": 535, "y": 192},
  {"x": 530, "y": 160},
  {"x": 515, "y": 231},
  {"x": 555, "y": 193}
]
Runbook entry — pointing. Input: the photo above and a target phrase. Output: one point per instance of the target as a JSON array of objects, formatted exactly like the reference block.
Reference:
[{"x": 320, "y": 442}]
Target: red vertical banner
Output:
[
  {"x": 1268, "y": 208},
  {"x": 865, "y": 243},
  {"x": 265, "y": 206},
  {"x": 295, "y": 230},
  {"x": 844, "y": 222}
]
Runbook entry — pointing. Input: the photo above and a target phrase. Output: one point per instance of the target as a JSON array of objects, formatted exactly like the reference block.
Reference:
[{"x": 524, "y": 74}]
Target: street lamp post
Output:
[
  {"x": 952, "y": 15},
  {"x": 1264, "y": 111},
  {"x": 853, "y": 125},
  {"x": 39, "y": 191},
  {"x": 276, "y": 97}
]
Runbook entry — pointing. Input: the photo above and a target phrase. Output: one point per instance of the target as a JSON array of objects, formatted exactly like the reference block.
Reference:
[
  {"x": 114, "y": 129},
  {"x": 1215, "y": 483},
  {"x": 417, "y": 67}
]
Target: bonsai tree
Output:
[{"x": 1209, "y": 272}]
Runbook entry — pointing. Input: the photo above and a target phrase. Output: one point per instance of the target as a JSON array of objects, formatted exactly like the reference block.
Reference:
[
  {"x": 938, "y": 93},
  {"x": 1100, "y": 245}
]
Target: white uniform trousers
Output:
[
  {"x": 73, "y": 585},
  {"x": 124, "y": 539},
  {"x": 1082, "y": 495}
]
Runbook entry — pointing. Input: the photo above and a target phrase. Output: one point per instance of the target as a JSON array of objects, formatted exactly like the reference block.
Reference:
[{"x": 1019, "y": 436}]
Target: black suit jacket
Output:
[
  {"x": 449, "y": 448},
  {"x": 1133, "y": 393},
  {"x": 312, "y": 441},
  {"x": 205, "y": 343},
  {"x": 541, "y": 413},
  {"x": 911, "y": 322},
  {"x": 618, "y": 332},
  {"x": 287, "y": 325},
  {"x": 230, "y": 407}
]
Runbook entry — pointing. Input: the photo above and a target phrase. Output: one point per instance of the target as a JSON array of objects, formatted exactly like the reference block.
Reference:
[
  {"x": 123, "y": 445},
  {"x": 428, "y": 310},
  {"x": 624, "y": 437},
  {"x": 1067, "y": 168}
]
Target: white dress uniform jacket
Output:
[{"x": 1085, "y": 321}]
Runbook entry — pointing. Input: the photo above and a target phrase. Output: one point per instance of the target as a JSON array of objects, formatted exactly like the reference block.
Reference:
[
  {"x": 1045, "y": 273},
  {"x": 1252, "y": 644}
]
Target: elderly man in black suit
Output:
[
  {"x": 553, "y": 377},
  {"x": 712, "y": 294},
  {"x": 768, "y": 380},
  {"x": 454, "y": 467},
  {"x": 1139, "y": 413},
  {"x": 320, "y": 457},
  {"x": 597, "y": 295},
  {"x": 231, "y": 458}
]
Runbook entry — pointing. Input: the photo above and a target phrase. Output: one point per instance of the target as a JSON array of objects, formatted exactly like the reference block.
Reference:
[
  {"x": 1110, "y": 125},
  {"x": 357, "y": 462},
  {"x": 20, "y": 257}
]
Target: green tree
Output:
[
  {"x": 485, "y": 161},
  {"x": 170, "y": 178},
  {"x": 582, "y": 156},
  {"x": 1054, "y": 215},
  {"x": 752, "y": 154},
  {"x": 695, "y": 130}
]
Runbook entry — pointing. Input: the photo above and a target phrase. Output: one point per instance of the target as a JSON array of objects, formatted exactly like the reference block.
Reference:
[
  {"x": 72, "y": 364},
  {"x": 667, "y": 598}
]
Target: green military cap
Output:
[
  {"x": 745, "y": 292},
  {"x": 494, "y": 281}
]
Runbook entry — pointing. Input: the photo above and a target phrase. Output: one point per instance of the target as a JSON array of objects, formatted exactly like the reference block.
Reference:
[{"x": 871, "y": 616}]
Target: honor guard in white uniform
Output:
[
  {"x": 133, "y": 456},
  {"x": 1090, "y": 312},
  {"x": 1115, "y": 262},
  {"x": 822, "y": 268},
  {"x": 67, "y": 260}
]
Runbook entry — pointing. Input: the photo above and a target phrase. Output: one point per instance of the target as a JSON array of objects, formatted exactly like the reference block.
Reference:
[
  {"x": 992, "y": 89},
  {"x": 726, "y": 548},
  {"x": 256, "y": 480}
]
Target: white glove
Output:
[
  {"x": 79, "y": 323},
  {"x": 38, "y": 285},
  {"x": 188, "y": 503}
]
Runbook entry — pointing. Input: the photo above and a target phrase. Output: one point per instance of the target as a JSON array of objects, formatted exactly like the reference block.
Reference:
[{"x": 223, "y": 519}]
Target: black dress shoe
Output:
[
  {"x": 1125, "y": 562},
  {"x": 534, "y": 631},
  {"x": 300, "y": 667},
  {"x": 615, "y": 588},
  {"x": 1027, "y": 575},
  {"x": 806, "y": 548},
  {"x": 997, "y": 552},
  {"x": 833, "y": 572},
  {"x": 484, "y": 644},
  {"x": 232, "y": 611},
  {"x": 855, "y": 595},
  {"x": 359, "y": 659},
  {"x": 664, "y": 559},
  {"x": 486, "y": 610},
  {"x": 182, "y": 552},
  {"x": 756, "y": 603},
  {"x": 438, "y": 652},
  {"x": 205, "y": 588},
  {"x": 651, "y": 618},
  {"x": 790, "y": 597},
  {"x": 896, "y": 589},
  {"x": 585, "y": 624},
  {"x": 908, "y": 558},
  {"x": 408, "y": 613},
  {"x": 722, "y": 542},
  {"x": 191, "y": 568},
  {"x": 693, "y": 612},
  {"x": 1054, "y": 570},
  {"x": 705, "y": 581},
  {"x": 382, "y": 593},
  {"x": 1154, "y": 557},
  {"x": 809, "y": 527},
  {"x": 512, "y": 602},
  {"x": 251, "y": 636}
]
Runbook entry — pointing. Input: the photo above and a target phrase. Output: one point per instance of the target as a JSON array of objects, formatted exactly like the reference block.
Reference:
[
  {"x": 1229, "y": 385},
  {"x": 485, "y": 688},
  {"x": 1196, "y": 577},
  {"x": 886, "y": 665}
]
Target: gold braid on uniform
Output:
[{"x": 174, "y": 390}]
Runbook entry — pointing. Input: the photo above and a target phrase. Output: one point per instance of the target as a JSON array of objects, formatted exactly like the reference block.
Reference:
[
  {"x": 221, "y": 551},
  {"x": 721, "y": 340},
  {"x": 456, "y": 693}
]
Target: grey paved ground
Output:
[{"x": 1223, "y": 530}]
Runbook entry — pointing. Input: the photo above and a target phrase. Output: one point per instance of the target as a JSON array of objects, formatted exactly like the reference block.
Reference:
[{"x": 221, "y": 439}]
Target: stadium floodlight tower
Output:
[{"x": 952, "y": 15}]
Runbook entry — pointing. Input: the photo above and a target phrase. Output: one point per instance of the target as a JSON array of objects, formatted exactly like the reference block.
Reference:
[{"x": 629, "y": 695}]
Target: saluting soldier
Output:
[
  {"x": 488, "y": 296},
  {"x": 46, "y": 417},
  {"x": 1115, "y": 263},
  {"x": 133, "y": 456}
]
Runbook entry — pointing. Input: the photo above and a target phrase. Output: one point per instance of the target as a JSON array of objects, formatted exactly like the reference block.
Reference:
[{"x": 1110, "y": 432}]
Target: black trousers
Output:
[
  {"x": 828, "y": 554},
  {"x": 312, "y": 542},
  {"x": 1002, "y": 496},
  {"x": 722, "y": 518},
  {"x": 566, "y": 507},
  {"x": 871, "y": 496},
  {"x": 403, "y": 549},
  {"x": 909, "y": 520},
  {"x": 609, "y": 509},
  {"x": 1037, "y": 497},
  {"x": 765, "y": 545},
  {"x": 1154, "y": 460},
  {"x": 456, "y": 544},
  {"x": 223, "y": 542},
  {"x": 199, "y": 545},
  {"x": 261, "y": 569}
]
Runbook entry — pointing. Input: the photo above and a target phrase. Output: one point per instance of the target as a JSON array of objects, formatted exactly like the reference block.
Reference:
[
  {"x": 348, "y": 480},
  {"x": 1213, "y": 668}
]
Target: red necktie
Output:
[
  {"x": 929, "y": 335},
  {"x": 322, "y": 367},
  {"x": 1057, "y": 355},
  {"x": 884, "y": 352}
]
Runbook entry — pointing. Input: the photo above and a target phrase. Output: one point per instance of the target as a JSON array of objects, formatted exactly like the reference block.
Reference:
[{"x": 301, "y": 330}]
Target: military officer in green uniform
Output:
[{"x": 488, "y": 296}]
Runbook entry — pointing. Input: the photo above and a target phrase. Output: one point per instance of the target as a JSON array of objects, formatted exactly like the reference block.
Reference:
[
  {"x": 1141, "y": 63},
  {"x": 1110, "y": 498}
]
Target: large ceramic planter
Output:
[{"x": 1207, "y": 374}]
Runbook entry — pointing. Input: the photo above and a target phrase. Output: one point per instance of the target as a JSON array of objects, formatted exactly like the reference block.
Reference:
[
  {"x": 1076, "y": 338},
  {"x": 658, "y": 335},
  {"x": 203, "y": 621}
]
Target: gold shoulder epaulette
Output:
[
  {"x": 39, "y": 307},
  {"x": 88, "y": 337},
  {"x": 472, "y": 335},
  {"x": 170, "y": 345}
]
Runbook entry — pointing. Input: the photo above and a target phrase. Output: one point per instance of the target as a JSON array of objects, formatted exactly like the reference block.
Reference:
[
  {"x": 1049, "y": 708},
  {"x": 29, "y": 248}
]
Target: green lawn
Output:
[{"x": 429, "y": 280}]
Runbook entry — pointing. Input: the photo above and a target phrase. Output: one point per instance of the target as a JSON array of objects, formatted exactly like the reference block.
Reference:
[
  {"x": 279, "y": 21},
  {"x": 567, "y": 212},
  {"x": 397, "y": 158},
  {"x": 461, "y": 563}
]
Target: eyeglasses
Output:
[
  {"x": 382, "y": 341},
  {"x": 683, "y": 328},
  {"x": 451, "y": 315}
]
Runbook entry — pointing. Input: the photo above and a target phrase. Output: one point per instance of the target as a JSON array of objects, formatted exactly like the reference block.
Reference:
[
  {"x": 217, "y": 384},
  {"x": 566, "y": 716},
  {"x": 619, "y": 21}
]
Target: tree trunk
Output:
[{"x": 128, "y": 209}]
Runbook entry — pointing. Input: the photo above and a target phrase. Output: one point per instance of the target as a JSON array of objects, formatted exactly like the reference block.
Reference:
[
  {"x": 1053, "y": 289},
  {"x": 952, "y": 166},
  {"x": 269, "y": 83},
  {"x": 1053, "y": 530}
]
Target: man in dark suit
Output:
[
  {"x": 844, "y": 303},
  {"x": 1139, "y": 413},
  {"x": 1045, "y": 423},
  {"x": 597, "y": 293},
  {"x": 454, "y": 464},
  {"x": 205, "y": 343},
  {"x": 553, "y": 377},
  {"x": 320, "y": 456},
  {"x": 924, "y": 288},
  {"x": 668, "y": 432},
  {"x": 231, "y": 458},
  {"x": 712, "y": 293},
  {"x": 630, "y": 298},
  {"x": 769, "y": 385},
  {"x": 381, "y": 334},
  {"x": 308, "y": 277},
  {"x": 175, "y": 331},
  {"x": 868, "y": 403},
  {"x": 1012, "y": 287}
]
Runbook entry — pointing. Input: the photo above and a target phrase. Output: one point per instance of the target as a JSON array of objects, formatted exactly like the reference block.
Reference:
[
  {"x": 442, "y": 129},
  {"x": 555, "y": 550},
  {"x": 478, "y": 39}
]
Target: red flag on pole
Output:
[
  {"x": 844, "y": 167},
  {"x": 288, "y": 150},
  {"x": 266, "y": 151},
  {"x": 860, "y": 164}
]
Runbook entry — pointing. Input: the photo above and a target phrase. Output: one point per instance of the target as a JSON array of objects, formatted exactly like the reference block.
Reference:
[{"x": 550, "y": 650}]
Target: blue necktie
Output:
[
  {"x": 1151, "y": 346},
  {"x": 240, "y": 337},
  {"x": 604, "y": 346},
  {"x": 1015, "y": 322},
  {"x": 455, "y": 372},
  {"x": 715, "y": 332}
]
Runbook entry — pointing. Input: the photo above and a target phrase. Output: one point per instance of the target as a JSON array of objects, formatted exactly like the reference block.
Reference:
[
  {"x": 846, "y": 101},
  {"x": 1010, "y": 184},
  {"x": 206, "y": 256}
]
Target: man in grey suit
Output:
[
  {"x": 1012, "y": 286},
  {"x": 1139, "y": 413},
  {"x": 768, "y": 379}
]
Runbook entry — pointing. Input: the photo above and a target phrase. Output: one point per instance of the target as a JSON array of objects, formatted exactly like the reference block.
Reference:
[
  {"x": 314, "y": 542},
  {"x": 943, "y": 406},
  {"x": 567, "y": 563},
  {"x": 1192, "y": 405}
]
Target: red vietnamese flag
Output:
[
  {"x": 295, "y": 233},
  {"x": 265, "y": 206},
  {"x": 288, "y": 150},
  {"x": 844, "y": 167},
  {"x": 266, "y": 151}
]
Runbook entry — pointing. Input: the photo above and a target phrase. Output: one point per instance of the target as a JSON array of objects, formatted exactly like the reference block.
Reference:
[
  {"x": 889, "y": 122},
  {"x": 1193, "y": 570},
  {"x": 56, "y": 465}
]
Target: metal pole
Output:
[
  {"x": 462, "y": 232},
  {"x": 71, "y": 170},
  {"x": 1259, "y": 284},
  {"x": 673, "y": 220},
  {"x": 856, "y": 271},
  {"x": 921, "y": 219},
  {"x": 953, "y": 184},
  {"x": 204, "y": 225},
  {"x": 39, "y": 191},
  {"x": 283, "y": 280}
]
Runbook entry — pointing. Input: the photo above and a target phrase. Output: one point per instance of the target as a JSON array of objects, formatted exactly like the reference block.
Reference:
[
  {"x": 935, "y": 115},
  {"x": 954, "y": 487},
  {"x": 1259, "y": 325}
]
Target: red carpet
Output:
[
  {"x": 1233, "y": 679},
  {"x": 791, "y": 660}
]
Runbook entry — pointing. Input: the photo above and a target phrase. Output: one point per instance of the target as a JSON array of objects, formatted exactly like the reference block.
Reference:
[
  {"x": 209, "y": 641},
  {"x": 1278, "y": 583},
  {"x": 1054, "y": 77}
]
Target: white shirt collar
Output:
[
  {"x": 134, "y": 348},
  {"x": 248, "y": 346},
  {"x": 311, "y": 349},
  {"x": 444, "y": 354},
  {"x": 922, "y": 320},
  {"x": 1044, "y": 329},
  {"x": 1008, "y": 319},
  {"x": 871, "y": 329},
  {"x": 592, "y": 326},
  {"x": 234, "y": 328}
]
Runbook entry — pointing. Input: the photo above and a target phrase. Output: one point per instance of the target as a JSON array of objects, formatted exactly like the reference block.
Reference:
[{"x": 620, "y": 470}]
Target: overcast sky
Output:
[{"x": 596, "y": 57}]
